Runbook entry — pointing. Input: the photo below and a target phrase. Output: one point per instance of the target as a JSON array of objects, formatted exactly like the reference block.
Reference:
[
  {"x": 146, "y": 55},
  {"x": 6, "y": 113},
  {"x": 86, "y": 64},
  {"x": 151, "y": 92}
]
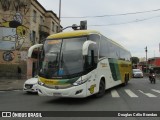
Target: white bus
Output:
[{"x": 81, "y": 63}]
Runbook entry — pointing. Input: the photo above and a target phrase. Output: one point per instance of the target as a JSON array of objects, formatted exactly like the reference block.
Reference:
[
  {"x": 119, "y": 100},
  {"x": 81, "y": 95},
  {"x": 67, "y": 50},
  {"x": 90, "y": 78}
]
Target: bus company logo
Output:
[
  {"x": 21, "y": 114},
  {"x": 6, "y": 114},
  {"x": 103, "y": 64},
  {"x": 91, "y": 89}
]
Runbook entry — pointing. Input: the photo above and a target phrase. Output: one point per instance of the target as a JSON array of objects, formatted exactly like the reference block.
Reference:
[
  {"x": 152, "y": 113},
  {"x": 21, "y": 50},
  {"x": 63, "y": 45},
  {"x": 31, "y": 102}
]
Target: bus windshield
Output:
[{"x": 62, "y": 58}]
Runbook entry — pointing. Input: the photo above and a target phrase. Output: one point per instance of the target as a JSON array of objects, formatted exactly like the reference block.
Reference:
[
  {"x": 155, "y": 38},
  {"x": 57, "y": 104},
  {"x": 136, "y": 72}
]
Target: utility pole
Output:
[
  {"x": 146, "y": 57},
  {"x": 59, "y": 27}
]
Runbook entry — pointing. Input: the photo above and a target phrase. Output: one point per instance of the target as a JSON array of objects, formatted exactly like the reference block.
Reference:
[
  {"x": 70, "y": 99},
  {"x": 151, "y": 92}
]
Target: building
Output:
[
  {"x": 23, "y": 23},
  {"x": 142, "y": 65},
  {"x": 154, "y": 63}
]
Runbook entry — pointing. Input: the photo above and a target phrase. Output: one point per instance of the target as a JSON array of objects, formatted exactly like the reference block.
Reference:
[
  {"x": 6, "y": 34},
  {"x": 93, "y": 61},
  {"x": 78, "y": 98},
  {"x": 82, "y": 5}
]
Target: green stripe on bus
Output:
[{"x": 113, "y": 63}]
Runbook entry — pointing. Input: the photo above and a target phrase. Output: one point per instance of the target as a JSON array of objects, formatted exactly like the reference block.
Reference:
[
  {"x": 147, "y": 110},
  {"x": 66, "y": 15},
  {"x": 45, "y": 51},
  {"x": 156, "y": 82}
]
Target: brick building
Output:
[{"x": 154, "y": 63}]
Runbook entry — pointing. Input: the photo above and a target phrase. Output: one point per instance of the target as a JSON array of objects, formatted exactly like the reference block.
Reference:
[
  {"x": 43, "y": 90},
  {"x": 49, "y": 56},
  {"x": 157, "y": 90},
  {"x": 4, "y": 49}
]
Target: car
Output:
[
  {"x": 137, "y": 73},
  {"x": 30, "y": 85}
]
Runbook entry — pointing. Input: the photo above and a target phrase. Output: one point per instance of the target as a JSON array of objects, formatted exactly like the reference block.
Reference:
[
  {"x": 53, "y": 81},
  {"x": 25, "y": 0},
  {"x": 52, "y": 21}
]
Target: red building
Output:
[{"x": 154, "y": 63}]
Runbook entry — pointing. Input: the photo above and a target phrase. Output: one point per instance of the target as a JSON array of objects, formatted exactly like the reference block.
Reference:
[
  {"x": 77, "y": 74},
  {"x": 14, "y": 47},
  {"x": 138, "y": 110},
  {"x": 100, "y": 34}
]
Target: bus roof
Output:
[{"x": 75, "y": 33}]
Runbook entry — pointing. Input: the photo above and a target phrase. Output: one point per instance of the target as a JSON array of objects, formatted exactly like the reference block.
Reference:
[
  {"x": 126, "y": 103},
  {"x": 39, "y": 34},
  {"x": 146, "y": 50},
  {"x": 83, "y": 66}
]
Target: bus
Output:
[{"x": 81, "y": 63}]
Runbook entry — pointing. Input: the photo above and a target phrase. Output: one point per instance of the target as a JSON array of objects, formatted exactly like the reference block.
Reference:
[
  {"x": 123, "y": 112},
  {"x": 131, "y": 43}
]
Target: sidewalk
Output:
[{"x": 11, "y": 84}]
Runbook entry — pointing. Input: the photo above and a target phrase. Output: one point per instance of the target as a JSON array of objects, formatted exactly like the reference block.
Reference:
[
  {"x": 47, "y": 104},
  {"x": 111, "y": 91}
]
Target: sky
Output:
[{"x": 134, "y": 24}]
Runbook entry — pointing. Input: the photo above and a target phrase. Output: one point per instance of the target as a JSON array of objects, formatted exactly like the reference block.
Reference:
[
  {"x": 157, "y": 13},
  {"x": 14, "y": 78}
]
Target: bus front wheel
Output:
[{"x": 101, "y": 88}]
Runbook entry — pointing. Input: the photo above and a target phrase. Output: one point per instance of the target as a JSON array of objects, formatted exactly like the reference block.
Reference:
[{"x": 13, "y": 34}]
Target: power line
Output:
[
  {"x": 137, "y": 20},
  {"x": 121, "y": 14},
  {"x": 112, "y": 15},
  {"x": 134, "y": 21}
]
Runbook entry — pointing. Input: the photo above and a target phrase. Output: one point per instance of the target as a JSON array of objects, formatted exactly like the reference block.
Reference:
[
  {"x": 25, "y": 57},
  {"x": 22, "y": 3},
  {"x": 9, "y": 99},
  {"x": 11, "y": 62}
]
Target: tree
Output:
[{"x": 135, "y": 60}]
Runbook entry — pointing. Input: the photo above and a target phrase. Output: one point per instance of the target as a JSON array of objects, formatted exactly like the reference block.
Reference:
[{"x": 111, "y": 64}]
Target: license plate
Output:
[
  {"x": 57, "y": 94},
  {"x": 28, "y": 86}
]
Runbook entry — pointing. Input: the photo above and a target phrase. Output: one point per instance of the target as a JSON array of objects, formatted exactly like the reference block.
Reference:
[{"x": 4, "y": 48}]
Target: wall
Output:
[
  {"x": 14, "y": 36},
  {"x": 154, "y": 62},
  {"x": 158, "y": 62}
]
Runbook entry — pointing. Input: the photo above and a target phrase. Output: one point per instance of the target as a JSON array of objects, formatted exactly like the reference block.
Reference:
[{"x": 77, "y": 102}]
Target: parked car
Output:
[
  {"x": 137, "y": 73},
  {"x": 30, "y": 85}
]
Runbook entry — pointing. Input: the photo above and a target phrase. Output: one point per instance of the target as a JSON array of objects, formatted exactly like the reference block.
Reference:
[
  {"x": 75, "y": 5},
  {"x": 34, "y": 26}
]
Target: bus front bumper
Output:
[{"x": 74, "y": 91}]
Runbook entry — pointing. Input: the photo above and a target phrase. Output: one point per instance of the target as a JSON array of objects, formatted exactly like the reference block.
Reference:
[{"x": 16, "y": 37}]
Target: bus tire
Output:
[{"x": 101, "y": 91}]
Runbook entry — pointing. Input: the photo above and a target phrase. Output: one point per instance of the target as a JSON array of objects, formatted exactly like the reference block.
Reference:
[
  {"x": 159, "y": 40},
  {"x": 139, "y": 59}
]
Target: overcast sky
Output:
[{"x": 133, "y": 31}]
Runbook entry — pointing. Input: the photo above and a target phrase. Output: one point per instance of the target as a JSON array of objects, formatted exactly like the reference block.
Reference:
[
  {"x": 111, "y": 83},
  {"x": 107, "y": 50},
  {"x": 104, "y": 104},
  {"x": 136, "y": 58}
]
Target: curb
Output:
[
  {"x": 11, "y": 89},
  {"x": 11, "y": 85}
]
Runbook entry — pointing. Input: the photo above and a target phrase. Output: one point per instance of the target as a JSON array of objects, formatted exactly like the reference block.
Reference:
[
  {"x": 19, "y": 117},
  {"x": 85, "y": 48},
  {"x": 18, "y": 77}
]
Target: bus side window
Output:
[
  {"x": 92, "y": 58},
  {"x": 89, "y": 60}
]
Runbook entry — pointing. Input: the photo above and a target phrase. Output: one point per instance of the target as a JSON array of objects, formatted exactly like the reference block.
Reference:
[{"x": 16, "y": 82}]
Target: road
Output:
[{"x": 138, "y": 95}]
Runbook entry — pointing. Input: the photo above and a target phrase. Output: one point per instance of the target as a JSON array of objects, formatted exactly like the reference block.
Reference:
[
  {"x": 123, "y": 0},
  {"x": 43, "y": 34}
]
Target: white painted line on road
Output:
[
  {"x": 130, "y": 93},
  {"x": 114, "y": 94},
  {"x": 147, "y": 94},
  {"x": 158, "y": 91}
]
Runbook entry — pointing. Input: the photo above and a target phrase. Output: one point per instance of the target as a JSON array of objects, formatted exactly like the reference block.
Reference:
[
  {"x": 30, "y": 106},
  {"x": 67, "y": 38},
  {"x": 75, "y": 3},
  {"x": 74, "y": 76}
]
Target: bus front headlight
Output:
[{"x": 40, "y": 83}]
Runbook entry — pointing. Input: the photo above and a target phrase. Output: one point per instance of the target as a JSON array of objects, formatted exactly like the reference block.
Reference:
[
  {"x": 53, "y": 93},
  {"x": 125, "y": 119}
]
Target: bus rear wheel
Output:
[{"x": 101, "y": 89}]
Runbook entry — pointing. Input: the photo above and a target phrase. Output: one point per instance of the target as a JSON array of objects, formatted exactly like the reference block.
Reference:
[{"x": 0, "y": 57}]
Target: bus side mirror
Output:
[
  {"x": 30, "y": 51},
  {"x": 86, "y": 46}
]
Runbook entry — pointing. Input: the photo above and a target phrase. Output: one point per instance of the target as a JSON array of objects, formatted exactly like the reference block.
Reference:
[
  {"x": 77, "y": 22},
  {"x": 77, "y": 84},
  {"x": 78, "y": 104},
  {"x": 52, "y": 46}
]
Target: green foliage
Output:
[{"x": 135, "y": 60}]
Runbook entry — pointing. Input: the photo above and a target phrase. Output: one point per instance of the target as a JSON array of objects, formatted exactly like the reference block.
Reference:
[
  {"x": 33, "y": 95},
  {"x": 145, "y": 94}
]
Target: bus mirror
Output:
[
  {"x": 86, "y": 46},
  {"x": 30, "y": 51}
]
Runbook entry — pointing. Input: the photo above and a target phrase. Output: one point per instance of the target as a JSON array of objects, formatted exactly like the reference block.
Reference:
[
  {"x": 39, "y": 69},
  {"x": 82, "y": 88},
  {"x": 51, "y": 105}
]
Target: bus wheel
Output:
[{"x": 101, "y": 89}]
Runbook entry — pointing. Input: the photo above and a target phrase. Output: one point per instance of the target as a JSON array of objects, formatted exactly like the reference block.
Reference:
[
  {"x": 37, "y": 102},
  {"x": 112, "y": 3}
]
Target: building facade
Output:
[
  {"x": 23, "y": 23},
  {"x": 155, "y": 64}
]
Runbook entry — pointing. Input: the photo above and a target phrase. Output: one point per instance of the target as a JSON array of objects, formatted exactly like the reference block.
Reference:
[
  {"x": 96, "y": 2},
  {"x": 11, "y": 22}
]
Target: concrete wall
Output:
[{"x": 16, "y": 32}]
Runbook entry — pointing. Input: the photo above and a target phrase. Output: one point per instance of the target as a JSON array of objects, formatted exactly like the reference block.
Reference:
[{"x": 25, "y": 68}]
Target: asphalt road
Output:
[{"x": 138, "y": 95}]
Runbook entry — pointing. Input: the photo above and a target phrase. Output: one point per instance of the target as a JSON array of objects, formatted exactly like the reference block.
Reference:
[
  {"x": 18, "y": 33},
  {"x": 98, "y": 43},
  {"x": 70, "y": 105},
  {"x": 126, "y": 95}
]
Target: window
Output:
[
  {"x": 57, "y": 28},
  {"x": 34, "y": 15},
  {"x": 41, "y": 20},
  {"x": 95, "y": 38},
  {"x": 33, "y": 37},
  {"x": 53, "y": 26},
  {"x": 63, "y": 58},
  {"x": 110, "y": 49},
  {"x": 105, "y": 47}
]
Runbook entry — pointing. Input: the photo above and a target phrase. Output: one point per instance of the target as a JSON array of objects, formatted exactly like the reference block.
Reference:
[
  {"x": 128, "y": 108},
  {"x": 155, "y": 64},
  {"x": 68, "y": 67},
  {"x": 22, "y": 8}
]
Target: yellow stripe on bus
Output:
[{"x": 48, "y": 81}]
